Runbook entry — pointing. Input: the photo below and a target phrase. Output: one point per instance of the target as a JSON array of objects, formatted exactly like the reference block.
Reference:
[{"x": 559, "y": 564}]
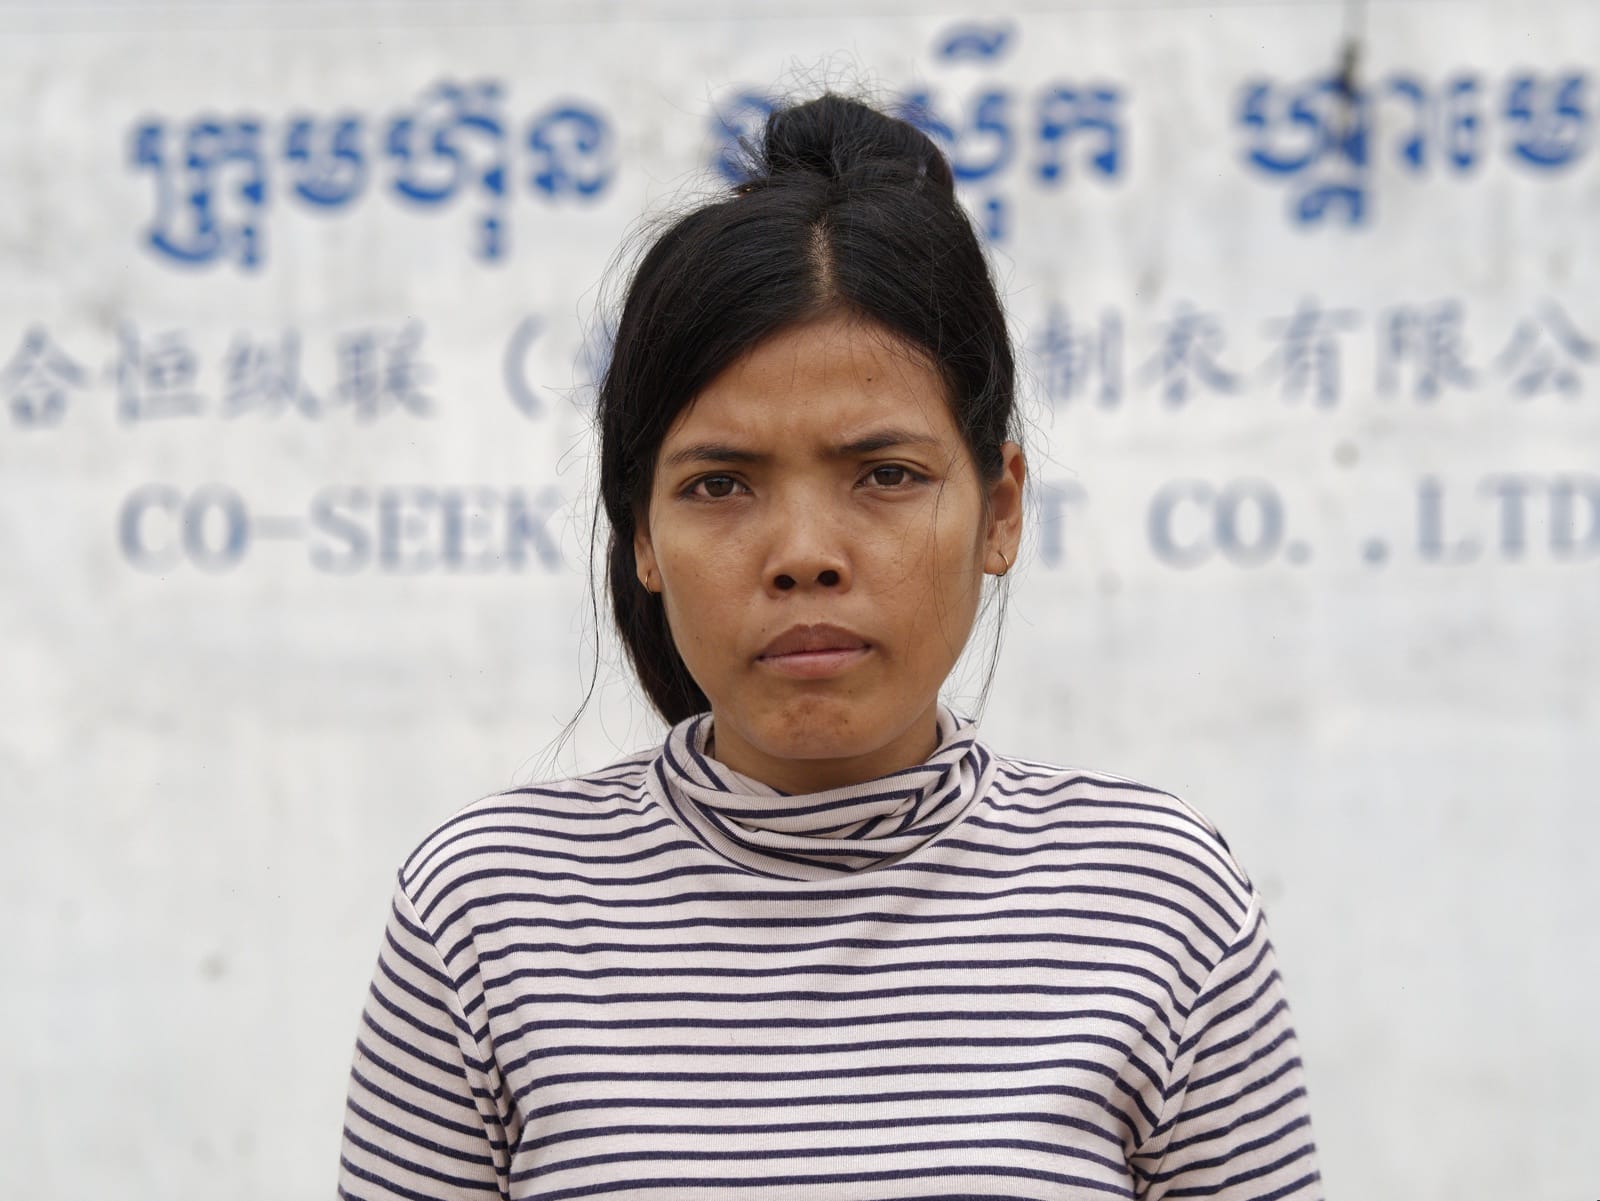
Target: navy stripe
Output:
[
  {"x": 393, "y": 1189},
  {"x": 406, "y": 1107},
  {"x": 853, "y": 971},
  {"x": 854, "y": 1122},
  {"x": 839, "y": 1101},
  {"x": 426, "y": 1145},
  {"x": 1233, "y": 1182},
  {"x": 974, "y": 1144},
  {"x": 532, "y": 845},
  {"x": 781, "y": 1181},
  {"x": 516, "y": 900},
  {"x": 930, "y": 1017}
]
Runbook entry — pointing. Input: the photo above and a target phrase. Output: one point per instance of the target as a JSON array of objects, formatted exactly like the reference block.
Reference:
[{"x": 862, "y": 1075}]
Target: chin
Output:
[{"x": 821, "y": 727}]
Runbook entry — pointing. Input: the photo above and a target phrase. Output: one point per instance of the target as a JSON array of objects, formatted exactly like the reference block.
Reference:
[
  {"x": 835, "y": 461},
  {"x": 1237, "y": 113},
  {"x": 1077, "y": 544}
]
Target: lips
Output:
[
  {"x": 818, "y": 652},
  {"x": 812, "y": 639}
]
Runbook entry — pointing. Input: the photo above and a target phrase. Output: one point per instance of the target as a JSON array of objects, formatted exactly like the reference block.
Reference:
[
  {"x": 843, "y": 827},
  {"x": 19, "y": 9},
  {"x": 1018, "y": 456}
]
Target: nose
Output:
[
  {"x": 784, "y": 582},
  {"x": 806, "y": 549}
]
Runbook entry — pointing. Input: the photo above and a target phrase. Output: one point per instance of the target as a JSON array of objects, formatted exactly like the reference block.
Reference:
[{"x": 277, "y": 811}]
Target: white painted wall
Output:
[{"x": 1382, "y": 679}]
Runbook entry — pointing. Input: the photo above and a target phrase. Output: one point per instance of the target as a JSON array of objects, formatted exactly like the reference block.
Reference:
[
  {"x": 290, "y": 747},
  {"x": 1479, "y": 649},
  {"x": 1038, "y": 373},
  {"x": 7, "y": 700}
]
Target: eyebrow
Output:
[{"x": 722, "y": 452}]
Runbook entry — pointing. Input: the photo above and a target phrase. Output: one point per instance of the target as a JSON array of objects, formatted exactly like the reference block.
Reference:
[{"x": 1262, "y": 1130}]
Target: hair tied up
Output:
[{"x": 843, "y": 141}]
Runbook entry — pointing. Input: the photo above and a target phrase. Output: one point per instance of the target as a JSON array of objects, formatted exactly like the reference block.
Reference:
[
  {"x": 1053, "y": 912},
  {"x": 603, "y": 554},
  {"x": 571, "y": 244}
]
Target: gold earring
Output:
[{"x": 1004, "y": 560}]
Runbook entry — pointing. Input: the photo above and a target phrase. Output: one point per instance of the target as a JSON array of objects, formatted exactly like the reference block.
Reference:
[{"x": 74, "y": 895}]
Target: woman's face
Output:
[{"x": 819, "y": 535}]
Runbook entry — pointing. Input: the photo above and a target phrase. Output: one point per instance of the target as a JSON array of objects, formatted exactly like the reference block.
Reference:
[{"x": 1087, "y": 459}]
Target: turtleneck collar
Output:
[{"x": 818, "y": 835}]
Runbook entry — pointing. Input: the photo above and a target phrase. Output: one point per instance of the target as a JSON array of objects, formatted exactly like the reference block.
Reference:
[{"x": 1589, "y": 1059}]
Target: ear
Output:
[
  {"x": 644, "y": 559},
  {"x": 1004, "y": 535}
]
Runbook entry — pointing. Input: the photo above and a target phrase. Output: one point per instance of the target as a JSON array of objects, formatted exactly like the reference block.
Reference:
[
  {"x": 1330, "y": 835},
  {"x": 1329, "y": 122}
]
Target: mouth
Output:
[{"x": 814, "y": 651}]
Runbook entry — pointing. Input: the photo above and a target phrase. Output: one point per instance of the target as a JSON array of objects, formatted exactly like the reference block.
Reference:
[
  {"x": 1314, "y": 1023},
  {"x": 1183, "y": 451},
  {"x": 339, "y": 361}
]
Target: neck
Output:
[{"x": 805, "y": 773}]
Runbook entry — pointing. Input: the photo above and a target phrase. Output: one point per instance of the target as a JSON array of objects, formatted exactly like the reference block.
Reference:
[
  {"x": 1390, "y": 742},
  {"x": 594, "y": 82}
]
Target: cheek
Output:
[
  {"x": 692, "y": 598},
  {"x": 924, "y": 539},
  {"x": 956, "y": 541},
  {"x": 957, "y": 554}
]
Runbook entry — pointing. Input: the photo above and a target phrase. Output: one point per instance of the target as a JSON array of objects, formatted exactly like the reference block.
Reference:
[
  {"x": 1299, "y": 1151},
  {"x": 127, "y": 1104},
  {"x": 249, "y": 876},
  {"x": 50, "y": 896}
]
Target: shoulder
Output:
[
  {"x": 1120, "y": 826},
  {"x": 1032, "y": 786},
  {"x": 536, "y": 832}
]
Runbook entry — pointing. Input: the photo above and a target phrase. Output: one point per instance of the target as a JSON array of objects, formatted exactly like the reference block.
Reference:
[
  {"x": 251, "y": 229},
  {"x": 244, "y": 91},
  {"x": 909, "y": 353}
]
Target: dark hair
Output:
[{"x": 845, "y": 210}]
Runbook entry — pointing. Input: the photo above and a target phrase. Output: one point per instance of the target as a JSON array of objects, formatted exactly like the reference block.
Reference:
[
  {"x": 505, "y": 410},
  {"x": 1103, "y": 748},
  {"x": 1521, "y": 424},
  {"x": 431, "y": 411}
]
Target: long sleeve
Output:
[
  {"x": 420, "y": 1121},
  {"x": 1236, "y": 1125},
  {"x": 594, "y": 989}
]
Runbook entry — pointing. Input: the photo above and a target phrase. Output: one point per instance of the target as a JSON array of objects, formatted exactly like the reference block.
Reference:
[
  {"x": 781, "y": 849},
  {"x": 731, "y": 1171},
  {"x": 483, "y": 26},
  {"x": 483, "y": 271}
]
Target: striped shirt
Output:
[{"x": 980, "y": 977}]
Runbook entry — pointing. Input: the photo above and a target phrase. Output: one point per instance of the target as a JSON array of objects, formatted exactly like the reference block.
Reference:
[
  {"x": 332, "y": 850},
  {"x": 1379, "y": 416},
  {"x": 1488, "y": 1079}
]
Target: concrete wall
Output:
[{"x": 294, "y": 510}]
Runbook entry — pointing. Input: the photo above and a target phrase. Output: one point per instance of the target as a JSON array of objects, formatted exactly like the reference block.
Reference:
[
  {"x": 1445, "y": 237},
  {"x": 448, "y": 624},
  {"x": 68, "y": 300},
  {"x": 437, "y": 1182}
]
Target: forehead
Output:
[{"x": 820, "y": 381}]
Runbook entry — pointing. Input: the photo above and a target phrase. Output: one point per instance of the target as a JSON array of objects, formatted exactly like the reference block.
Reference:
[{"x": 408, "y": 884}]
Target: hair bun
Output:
[{"x": 843, "y": 140}]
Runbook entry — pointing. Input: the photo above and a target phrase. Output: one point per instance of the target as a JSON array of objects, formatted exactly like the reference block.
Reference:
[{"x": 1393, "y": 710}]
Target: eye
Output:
[
  {"x": 892, "y": 475},
  {"x": 712, "y": 487}
]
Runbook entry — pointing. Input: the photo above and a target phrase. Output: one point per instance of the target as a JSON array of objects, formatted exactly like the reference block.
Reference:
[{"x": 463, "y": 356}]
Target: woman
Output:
[{"x": 822, "y": 943}]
